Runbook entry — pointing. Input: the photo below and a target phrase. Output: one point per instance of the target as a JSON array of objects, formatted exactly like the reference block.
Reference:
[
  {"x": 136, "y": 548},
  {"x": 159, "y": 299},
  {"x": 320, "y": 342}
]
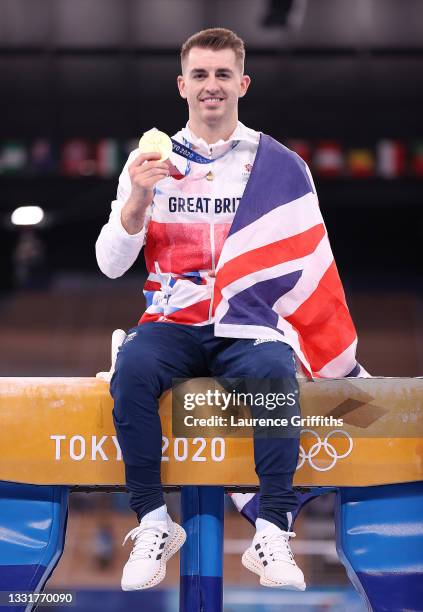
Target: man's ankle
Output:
[{"x": 158, "y": 514}]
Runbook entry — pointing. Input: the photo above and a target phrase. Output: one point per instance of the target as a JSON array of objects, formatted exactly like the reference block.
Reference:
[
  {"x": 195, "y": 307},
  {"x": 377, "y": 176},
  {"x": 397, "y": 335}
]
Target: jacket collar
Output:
[{"x": 241, "y": 133}]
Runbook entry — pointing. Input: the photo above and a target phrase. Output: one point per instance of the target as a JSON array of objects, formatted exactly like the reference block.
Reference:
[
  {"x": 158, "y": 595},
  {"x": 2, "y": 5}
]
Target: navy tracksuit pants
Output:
[{"x": 155, "y": 353}]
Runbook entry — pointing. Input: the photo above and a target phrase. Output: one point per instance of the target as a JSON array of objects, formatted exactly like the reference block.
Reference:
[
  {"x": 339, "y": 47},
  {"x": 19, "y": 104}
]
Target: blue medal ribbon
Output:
[{"x": 190, "y": 155}]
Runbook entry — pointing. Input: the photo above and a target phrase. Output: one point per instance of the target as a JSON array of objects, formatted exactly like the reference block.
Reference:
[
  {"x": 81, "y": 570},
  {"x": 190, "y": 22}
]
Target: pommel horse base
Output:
[{"x": 57, "y": 435}]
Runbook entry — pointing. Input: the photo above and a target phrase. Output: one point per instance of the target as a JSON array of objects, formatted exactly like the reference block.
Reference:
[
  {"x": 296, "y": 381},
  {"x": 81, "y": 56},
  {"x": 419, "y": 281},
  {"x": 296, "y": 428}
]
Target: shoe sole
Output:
[
  {"x": 250, "y": 563},
  {"x": 172, "y": 546}
]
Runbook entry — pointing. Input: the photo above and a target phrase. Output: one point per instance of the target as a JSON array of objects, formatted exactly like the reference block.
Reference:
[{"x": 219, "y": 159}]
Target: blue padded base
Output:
[
  {"x": 33, "y": 522},
  {"x": 200, "y": 593},
  {"x": 380, "y": 542}
]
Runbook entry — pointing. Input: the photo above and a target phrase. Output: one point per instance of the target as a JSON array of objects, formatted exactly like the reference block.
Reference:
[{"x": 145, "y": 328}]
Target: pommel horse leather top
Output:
[{"x": 60, "y": 431}]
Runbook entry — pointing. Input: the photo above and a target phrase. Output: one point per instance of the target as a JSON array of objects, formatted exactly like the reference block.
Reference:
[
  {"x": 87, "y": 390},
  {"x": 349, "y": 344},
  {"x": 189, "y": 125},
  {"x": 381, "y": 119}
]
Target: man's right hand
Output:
[{"x": 145, "y": 171}]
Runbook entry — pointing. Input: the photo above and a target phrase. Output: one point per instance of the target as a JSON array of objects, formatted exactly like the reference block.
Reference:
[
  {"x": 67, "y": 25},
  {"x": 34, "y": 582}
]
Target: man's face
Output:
[{"x": 212, "y": 82}]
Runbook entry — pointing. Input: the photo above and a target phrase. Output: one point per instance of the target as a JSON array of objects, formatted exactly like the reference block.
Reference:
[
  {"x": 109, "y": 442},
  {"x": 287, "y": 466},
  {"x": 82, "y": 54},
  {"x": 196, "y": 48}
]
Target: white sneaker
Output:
[
  {"x": 155, "y": 542},
  {"x": 270, "y": 557}
]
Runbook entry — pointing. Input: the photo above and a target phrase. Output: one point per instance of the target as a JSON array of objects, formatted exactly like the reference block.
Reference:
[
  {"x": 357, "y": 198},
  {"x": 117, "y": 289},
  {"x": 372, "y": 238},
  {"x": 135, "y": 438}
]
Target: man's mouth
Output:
[{"x": 212, "y": 100}]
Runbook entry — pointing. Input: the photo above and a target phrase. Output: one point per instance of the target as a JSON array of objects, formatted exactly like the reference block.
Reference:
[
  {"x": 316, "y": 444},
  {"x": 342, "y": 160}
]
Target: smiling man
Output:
[
  {"x": 221, "y": 263},
  {"x": 213, "y": 80}
]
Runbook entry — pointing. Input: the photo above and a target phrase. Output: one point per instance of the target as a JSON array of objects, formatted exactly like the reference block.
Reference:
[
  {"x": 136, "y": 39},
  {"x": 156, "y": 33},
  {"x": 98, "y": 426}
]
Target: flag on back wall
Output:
[
  {"x": 328, "y": 159},
  {"x": 128, "y": 146},
  {"x": 77, "y": 158},
  {"x": 360, "y": 163},
  {"x": 302, "y": 148},
  {"x": 391, "y": 158},
  {"x": 107, "y": 157},
  {"x": 43, "y": 157},
  {"x": 13, "y": 157},
  {"x": 417, "y": 159}
]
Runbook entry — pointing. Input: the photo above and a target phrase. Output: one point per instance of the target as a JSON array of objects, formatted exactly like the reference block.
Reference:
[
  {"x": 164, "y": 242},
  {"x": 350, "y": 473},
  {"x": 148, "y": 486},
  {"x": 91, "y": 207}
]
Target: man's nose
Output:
[{"x": 211, "y": 84}]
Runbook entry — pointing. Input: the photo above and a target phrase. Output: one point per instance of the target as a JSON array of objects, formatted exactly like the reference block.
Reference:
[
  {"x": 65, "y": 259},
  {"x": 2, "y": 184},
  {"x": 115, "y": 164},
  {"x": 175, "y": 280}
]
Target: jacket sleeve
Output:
[{"x": 116, "y": 250}]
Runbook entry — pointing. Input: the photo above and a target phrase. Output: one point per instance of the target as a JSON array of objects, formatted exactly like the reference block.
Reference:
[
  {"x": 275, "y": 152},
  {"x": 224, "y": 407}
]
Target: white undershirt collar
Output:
[{"x": 240, "y": 133}]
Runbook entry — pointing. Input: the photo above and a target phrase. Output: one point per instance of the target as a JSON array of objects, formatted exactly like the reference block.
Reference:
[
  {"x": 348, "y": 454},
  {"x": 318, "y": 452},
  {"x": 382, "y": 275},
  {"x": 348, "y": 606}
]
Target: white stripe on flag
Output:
[
  {"x": 240, "y": 284},
  {"x": 240, "y": 499},
  {"x": 289, "y": 517},
  {"x": 340, "y": 365},
  {"x": 281, "y": 222},
  {"x": 314, "y": 266}
]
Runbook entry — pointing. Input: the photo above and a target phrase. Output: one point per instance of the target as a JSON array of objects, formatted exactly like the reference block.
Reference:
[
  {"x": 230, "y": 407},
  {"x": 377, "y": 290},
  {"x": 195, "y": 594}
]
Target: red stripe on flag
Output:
[
  {"x": 152, "y": 285},
  {"x": 269, "y": 255},
  {"x": 324, "y": 321},
  {"x": 196, "y": 313},
  {"x": 217, "y": 298},
  {"x": 148, "y": 317}
]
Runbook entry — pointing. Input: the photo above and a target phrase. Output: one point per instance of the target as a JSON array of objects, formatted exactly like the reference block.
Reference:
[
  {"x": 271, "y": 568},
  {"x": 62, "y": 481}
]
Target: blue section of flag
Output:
[
  {"x": 253, "y": 306},
  {"x": 278, "y": 177},
  {"x": 251, "y": 509},
  {"x": 355, "y": 371}
]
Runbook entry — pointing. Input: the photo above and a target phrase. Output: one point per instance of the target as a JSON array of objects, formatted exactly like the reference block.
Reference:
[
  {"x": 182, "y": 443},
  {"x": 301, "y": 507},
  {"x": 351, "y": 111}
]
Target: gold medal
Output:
[{"x": 155, "y": 141}]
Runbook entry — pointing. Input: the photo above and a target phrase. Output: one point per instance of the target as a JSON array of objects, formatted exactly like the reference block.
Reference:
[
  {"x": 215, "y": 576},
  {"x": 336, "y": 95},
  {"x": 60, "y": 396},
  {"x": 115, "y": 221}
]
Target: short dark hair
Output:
[{"x": 216, "y": 39}]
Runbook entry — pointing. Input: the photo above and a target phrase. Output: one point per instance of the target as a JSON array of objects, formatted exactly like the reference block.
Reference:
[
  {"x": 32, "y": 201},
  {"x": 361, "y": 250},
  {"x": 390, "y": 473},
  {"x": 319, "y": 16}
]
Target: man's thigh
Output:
[
  {"x": 266, "y": 371},
  {"x": 156, "y": 353},
  {"x": 255, "y": 359}
]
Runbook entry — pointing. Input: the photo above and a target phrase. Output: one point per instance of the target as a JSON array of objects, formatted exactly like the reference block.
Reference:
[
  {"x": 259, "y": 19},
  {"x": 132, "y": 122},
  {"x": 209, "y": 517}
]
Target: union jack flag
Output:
[{"x": 277, "y": 277}]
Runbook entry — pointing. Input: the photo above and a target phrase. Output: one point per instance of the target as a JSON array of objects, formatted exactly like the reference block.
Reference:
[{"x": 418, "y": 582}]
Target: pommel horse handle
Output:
[{"x": 118, "y": 338}]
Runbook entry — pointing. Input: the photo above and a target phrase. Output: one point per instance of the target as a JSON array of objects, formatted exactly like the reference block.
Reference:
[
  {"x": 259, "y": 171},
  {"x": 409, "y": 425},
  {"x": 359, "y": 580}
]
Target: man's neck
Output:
[{"x": 212, "y": 133}]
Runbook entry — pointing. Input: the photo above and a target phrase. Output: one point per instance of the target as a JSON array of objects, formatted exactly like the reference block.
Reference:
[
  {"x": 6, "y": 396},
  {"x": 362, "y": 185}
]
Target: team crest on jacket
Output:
[{"x": 247, "y": 171}]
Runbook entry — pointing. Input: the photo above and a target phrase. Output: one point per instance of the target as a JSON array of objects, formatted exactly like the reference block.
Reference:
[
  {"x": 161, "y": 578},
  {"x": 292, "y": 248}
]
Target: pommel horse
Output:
[{"x": 57, "y": 436}]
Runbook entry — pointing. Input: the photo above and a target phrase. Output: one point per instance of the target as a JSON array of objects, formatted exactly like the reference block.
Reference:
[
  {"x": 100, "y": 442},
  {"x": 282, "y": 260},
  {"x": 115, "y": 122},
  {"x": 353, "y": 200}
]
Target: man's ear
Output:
[
  {"x": 245, "y": 83},
  {"x": 181, "y": 86}
]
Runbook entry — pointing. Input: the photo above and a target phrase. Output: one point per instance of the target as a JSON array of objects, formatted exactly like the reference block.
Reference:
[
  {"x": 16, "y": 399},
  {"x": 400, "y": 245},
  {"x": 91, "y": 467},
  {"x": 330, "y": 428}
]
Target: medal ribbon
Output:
[{"x": 191, "y": 155}]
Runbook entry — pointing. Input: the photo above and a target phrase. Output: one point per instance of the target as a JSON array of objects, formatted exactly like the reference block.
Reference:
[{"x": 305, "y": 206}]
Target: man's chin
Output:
[{"x": 212, "y": 115}]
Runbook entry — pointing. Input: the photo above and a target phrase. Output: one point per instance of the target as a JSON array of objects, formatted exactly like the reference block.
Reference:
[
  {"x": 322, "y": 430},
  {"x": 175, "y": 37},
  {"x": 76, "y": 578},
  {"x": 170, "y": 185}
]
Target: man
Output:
[{"x": 194, "y": 324}]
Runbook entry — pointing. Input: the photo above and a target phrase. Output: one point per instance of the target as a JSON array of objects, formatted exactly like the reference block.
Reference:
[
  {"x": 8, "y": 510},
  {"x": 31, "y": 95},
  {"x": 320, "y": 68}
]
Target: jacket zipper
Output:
[{"x": 212, "y": 246}]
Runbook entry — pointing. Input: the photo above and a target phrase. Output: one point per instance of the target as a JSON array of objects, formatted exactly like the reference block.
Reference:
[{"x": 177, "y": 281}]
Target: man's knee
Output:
[
  {"x": 277, "y": 361},
  {"x": 133, "y": 368}
]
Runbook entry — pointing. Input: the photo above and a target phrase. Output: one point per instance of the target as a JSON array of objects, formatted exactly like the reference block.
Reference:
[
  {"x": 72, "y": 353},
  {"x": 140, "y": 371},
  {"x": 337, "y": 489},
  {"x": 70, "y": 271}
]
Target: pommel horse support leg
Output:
[
  {"x": 201, "y": 582},
  {"x": 33, "y": 525}
]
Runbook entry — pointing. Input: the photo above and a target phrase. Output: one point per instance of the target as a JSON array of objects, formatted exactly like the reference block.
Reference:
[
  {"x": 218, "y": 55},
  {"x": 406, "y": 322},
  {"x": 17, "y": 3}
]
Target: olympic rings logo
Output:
[{"x": 329, "y": 448}]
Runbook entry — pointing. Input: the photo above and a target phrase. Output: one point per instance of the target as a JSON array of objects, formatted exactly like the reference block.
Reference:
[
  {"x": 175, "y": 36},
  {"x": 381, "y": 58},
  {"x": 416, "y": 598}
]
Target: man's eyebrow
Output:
[{"x": 195, "y": 71}]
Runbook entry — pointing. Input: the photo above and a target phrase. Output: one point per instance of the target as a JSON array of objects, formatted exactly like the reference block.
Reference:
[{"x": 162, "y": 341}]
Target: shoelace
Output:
[
  {"x": 277, "y": 546},
  {"x": 146, "y": 539}
]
